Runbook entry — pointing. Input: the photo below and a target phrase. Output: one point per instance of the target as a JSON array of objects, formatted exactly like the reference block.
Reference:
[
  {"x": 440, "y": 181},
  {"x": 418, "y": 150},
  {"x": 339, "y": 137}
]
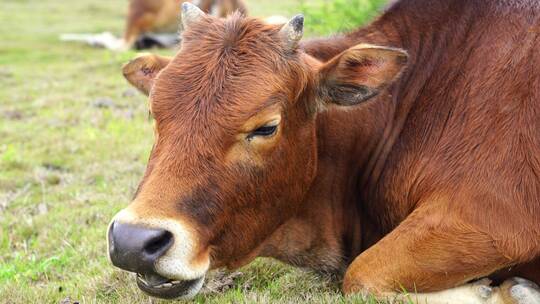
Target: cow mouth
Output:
[{"x": 160, "y": 287}]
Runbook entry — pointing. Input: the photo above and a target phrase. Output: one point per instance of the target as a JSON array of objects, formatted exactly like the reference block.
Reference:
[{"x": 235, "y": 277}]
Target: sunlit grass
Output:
[{"x": 329, "y": 17}]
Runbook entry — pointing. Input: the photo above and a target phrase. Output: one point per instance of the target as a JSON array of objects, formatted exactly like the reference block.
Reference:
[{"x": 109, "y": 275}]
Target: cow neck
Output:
[
  {"x": 424, "y": 41},
  {"x": 355, "y": 144}
]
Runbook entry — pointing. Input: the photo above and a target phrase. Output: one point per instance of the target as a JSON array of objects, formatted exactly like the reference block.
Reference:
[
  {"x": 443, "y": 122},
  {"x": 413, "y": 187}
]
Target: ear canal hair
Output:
[{"x": 350, "y": 94}]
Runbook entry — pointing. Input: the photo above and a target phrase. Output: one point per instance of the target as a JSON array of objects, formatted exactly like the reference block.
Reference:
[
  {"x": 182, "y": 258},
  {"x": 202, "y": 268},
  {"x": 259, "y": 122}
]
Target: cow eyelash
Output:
[{"x": 264, "y": 131}]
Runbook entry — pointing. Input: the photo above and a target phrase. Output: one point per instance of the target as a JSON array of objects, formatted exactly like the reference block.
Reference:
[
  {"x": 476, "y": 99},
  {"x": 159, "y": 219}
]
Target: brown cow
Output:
[
  {"x": 162, "y": 15},
  {"x": 418, "y": 171}
]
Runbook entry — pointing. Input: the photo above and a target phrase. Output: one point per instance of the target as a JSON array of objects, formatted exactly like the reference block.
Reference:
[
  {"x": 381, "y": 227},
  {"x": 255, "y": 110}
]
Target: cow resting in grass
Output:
[
  {"x": 163, "y": 15},
  {"x": 405, "y": 154}
]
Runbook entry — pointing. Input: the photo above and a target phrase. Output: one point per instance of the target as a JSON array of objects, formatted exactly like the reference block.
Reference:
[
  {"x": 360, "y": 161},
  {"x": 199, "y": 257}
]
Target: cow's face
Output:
[{"x": 235, "y": 149}]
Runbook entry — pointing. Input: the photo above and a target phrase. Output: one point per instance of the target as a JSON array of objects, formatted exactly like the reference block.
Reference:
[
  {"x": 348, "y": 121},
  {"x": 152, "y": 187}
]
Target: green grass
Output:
[
  {"x": 67, "y": 165},
  {"x": 328, "y": 17}
]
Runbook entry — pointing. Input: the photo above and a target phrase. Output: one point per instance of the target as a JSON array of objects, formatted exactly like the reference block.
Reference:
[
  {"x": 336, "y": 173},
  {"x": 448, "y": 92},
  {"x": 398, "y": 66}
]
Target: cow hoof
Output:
[
  {"x": 520, "y": 291},
  {"x": 484, "y": 291},
  {"x": 480, "y": 289}
]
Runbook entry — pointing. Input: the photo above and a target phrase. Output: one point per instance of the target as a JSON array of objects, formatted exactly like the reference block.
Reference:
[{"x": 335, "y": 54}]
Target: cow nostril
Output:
[
  {"x": 137, "y": 248},
  {"x": 159, "y": 244}
]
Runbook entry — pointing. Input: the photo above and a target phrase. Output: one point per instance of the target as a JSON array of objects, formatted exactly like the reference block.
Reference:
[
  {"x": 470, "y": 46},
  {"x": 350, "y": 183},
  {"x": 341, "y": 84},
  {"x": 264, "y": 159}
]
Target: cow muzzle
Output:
[
  {"x": 159, "y": 252},
  {"x": 136, "y": 249}
]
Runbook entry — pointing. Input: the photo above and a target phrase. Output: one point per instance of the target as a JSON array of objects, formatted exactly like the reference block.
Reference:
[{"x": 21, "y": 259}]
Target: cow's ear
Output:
[
  {"x": 142, "y": 71},
  {"x": 360, "y": 73}
]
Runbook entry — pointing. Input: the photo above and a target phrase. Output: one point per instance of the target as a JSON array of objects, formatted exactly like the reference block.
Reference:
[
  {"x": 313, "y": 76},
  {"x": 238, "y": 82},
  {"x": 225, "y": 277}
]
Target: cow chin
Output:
[
  {"x": 160, "y": 287},
  {"x": 180, "y": 271}
]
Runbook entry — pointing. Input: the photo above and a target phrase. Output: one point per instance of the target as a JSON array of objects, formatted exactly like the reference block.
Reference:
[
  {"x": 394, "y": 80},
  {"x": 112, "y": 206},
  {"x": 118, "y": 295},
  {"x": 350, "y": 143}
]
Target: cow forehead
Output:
[
  {"x": 218, "y": 80},
  {"x": 226, "y": 69}
]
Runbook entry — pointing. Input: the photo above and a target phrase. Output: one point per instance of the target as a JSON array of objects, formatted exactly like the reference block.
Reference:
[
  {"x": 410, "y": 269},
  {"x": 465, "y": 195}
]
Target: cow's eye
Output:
[{"x": 265, "y": 131}]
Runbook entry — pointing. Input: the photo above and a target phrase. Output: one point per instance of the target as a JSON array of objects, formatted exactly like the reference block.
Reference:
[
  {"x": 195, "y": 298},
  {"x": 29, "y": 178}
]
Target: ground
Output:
[{"x": 74, "y": 139}]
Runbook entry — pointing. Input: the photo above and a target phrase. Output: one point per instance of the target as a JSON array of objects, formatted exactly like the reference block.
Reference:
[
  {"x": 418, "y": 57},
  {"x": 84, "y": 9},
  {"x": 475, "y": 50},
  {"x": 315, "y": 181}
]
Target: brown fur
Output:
[
  {"x": 433, "y": 182},
  {"x": 163, "y": 15}
]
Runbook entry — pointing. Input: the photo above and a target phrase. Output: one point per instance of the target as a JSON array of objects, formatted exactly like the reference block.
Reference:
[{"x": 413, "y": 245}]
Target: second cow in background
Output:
[{"x": 145, "y": 16}]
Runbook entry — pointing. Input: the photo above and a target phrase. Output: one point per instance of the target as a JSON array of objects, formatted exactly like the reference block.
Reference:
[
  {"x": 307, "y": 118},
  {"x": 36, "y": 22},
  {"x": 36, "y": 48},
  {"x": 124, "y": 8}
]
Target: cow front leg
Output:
[
  {"x": 512, "y": 291},
  {"x": 431, "y": 255}
]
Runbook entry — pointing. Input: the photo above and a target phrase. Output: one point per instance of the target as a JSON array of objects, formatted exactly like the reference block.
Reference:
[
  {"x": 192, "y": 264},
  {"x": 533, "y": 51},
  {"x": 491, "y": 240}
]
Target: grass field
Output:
[{"x": 74, "y": 140}]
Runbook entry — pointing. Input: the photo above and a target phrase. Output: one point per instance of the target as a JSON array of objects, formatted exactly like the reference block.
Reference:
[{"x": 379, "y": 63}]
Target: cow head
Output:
[{"x": 235, "y": 147}]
